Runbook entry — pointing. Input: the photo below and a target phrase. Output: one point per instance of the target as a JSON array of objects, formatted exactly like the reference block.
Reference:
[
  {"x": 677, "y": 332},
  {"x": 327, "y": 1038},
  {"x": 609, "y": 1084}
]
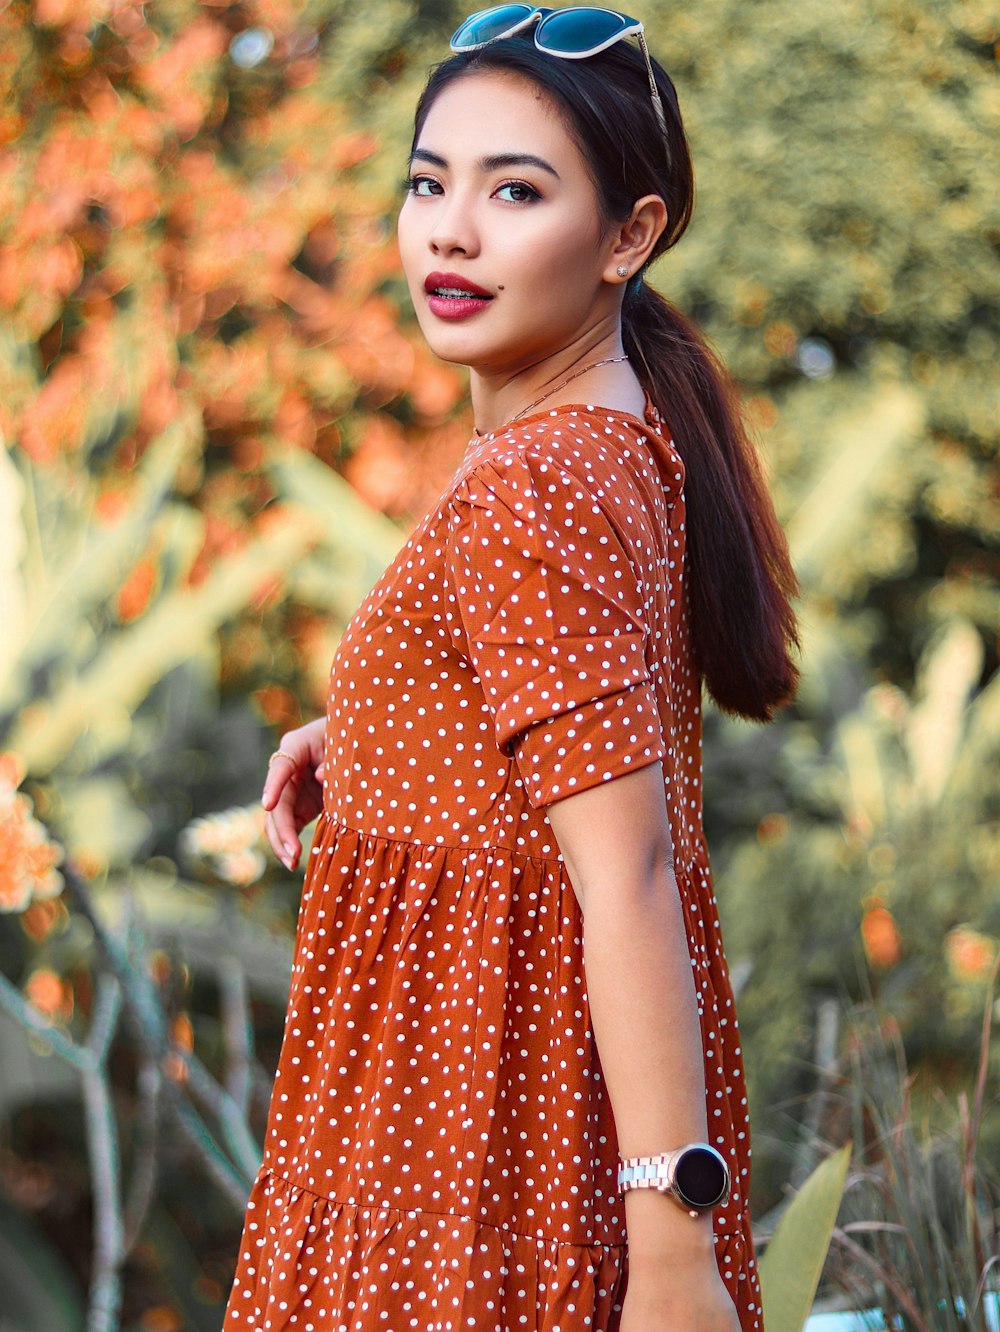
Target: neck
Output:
[{"x": 499, "y": 395}]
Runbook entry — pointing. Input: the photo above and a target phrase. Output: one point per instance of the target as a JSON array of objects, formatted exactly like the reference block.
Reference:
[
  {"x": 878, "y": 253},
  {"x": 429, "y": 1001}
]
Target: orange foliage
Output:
[
  {"x": 81, "y": 14},
  {"x": 378, "y": 467},
  {"x": 136, "y": 592},
  {"x": 278, "y": 706},
  {"x": 174, "y": 258},
  {"x": 180, "y": 77},
  {"x": 435, "y": 389},
  {"x": 222, "y": 537}
]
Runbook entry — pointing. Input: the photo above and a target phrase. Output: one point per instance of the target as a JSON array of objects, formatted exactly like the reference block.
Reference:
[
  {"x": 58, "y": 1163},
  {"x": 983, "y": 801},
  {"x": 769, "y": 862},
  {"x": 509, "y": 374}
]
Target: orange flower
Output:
[
  {"x": 39, "y": 859},
  {"x": 51, "y": 994},
  {"x": 28, "y": 859},
  {"x": 39, "y": 919},
  {"x": 161, "y": 1318},
  {"x": 772, "y": 829},
  {"x": 241, "y": 868},
  {"x": 15, "y": 890},
  {"x": 11, "y": 772},
  {"x": 970, "y": 954},
  {"x": 880, "y": 935}
]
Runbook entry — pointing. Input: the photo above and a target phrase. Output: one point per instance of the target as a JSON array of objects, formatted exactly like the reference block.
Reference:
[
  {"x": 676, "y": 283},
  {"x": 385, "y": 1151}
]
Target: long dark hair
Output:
[{"x": 740, "y": 577}]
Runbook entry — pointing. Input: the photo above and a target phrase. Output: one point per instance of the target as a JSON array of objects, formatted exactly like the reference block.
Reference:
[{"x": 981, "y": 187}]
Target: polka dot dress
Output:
[{"x": 440, "y": 1152}]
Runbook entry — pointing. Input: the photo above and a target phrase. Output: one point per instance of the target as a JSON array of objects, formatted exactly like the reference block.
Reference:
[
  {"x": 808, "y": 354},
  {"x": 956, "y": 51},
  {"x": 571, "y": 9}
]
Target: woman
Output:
[{"x": 508, "y": 976}]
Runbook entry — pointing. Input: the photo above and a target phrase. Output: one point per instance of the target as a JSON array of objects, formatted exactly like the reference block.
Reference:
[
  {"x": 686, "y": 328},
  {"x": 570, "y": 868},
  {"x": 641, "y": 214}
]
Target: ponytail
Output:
[{"x": 740, "y": 576}]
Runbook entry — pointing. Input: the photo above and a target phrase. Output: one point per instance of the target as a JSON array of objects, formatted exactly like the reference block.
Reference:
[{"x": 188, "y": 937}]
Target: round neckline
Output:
[{"x": 651, "y": 419}]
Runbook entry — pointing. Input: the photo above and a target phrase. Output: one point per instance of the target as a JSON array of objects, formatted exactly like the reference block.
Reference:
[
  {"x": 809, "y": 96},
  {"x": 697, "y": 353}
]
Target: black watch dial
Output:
[{"x": 700, "y": 1178}]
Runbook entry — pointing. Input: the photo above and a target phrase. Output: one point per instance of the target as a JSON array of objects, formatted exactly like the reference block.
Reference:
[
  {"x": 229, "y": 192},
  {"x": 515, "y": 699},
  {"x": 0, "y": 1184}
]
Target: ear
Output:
[{"x": 632, "y": 242}]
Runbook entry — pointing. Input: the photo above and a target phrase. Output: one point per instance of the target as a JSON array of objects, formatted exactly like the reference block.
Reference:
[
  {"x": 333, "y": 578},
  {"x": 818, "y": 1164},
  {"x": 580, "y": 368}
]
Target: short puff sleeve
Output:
[{"x": 553, "y": 622}]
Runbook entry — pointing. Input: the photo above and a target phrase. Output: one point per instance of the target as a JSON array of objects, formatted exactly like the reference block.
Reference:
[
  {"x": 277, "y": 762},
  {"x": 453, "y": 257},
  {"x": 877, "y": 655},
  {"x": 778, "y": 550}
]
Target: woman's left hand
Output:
[
  {"x": 679, "y": 1298},
  {"x": 293, "y": 791}
]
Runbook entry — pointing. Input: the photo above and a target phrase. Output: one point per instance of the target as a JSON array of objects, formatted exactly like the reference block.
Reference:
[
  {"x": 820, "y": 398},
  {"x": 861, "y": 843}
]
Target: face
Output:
[{"x": 500, "y": 234}]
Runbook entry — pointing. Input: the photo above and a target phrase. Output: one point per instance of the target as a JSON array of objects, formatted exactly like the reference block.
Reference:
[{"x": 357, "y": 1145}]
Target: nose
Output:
[{"x": 454, "y": 230}]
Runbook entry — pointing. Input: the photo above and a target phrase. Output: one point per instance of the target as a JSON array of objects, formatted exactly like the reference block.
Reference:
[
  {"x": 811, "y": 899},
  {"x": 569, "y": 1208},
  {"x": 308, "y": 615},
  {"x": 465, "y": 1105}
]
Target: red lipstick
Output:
[{"x": 451, "y": 296}]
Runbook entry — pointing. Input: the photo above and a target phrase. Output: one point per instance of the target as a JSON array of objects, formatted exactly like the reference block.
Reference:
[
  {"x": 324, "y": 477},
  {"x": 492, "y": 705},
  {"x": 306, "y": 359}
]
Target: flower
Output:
[
  {"x": 51, "y": 994},
  {"x": 970, "y": 955},
  {"x": 241, "y": 868},
  {"x": 879, "y": 934},
  {"x": 227, "y": 845},
  {"x": 28, "y": 859}
]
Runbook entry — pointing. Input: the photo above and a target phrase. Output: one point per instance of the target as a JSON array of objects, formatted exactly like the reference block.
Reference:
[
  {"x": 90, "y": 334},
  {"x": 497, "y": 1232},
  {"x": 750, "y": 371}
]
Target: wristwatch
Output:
[{"x": 696, "y": 1175}]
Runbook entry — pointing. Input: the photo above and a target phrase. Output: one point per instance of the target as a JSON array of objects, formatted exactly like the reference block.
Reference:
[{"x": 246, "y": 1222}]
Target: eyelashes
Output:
[
  {"x": 528, "y": 190},
  {"x": 412, "y": 185}
]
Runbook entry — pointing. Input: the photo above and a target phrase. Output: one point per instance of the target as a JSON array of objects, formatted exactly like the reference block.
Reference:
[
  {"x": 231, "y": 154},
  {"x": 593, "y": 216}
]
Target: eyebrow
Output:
[{"x": 496, "y": 162}]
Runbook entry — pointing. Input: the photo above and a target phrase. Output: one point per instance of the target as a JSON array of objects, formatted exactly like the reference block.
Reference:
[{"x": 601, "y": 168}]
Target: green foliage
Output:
[
  {"x": 877, "y": 852},
  {"x": 920, "y": 1227},
  {"x": 843, "y": 260},
  {"x": 845, "y": 242},
  {"x": 793, "y": 1260}
]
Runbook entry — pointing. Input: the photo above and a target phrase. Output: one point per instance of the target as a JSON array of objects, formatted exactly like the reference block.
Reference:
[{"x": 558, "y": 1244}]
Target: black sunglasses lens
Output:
[
  {"x": 491, "y": 23},
  {"x": 574, "y": 31}
]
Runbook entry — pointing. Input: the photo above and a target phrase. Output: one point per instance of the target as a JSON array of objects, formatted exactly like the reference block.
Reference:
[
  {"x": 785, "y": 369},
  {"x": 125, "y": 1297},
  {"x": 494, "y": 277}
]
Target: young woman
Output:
[{"x": 510, "y": 1094}]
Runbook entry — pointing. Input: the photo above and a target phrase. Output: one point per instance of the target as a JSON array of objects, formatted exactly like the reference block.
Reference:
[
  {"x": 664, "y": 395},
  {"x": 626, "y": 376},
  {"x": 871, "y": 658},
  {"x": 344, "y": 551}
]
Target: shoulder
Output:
[{"x": 591, "y": 456}]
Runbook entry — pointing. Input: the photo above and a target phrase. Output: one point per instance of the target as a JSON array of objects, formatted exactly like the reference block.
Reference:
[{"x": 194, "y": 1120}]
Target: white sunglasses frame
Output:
[{"x": 538, "y": 16}]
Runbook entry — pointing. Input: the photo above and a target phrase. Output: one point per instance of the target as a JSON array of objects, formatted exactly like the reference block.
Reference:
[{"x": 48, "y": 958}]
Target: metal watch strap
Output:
[
  {"x": 657, "y": 1172},
  {"x": 645, "y": 1172}
]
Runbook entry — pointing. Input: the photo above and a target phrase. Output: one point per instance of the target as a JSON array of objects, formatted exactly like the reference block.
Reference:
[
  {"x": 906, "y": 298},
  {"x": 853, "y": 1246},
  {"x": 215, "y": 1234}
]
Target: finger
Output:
[
  {"x": 284, "y": 816},
  {"x": 281, "y": 767},
  {"x": 284, "y": 841},
  {"x": 274, "y": 838}
]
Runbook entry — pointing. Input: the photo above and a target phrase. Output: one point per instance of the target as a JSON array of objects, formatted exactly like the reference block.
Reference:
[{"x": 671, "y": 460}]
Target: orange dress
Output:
[{"x": 441, "y": 1152}]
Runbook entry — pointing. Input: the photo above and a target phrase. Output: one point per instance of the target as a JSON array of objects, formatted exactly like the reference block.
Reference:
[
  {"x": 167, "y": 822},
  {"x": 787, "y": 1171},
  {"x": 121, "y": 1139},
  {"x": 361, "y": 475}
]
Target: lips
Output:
[{"x": 452, "y": 286}]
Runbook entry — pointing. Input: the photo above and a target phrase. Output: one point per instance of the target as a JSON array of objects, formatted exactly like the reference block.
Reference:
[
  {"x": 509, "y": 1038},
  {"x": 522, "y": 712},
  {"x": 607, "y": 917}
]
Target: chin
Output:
[
  {"x": 455, "y": 349},
  {"x": 448, "y": 351}
]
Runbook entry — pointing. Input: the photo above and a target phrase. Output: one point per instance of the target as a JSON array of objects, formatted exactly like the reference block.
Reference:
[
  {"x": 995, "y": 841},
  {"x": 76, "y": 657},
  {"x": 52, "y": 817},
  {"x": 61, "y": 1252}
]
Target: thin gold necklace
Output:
[{"x": 608, "y": 360}]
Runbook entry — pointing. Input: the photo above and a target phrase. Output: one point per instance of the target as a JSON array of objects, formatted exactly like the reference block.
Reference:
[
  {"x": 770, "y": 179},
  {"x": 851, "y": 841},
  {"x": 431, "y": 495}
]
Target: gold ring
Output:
[{"x": 283, "y": 753}]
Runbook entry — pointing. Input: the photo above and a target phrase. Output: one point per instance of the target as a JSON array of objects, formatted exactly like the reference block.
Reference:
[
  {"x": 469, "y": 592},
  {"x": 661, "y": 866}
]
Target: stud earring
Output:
[{"x": 623, "y": 270}]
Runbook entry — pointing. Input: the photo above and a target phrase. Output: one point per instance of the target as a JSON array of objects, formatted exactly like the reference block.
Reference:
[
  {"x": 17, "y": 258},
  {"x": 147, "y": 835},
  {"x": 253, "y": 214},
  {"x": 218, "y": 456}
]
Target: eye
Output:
[
  {"x": 517, "y": 191},
  {"x": 422, "y": 186}
]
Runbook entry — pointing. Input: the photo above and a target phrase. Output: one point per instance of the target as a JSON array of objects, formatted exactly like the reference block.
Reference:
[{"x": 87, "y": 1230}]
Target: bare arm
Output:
[{"x": 615, "y": 840}]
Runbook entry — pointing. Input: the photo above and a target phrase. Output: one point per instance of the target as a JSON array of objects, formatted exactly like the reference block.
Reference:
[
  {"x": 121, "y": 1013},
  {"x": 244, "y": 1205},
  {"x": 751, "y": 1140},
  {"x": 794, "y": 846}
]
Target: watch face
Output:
[{"x": 700, "y": 1178}]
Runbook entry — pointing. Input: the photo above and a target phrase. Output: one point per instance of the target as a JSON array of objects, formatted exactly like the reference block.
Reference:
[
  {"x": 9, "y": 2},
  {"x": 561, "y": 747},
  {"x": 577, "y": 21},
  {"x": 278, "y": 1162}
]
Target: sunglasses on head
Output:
[{"x": 570, "y": 34}]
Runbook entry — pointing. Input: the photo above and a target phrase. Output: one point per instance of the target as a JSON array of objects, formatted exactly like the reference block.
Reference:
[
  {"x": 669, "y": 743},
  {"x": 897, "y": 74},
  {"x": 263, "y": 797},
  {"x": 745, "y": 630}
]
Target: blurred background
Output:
[{"x": 218, "y": 424}]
